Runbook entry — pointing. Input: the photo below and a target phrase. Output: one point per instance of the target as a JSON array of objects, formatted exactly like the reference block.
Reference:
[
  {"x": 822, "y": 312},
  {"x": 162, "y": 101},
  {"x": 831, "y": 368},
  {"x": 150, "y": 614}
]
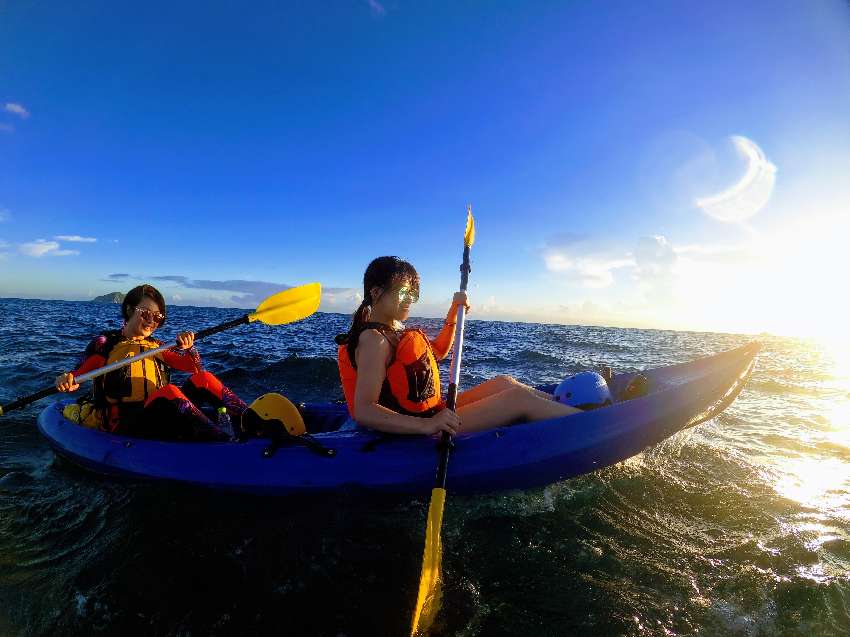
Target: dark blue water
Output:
[{"x": 740, "y": 526}]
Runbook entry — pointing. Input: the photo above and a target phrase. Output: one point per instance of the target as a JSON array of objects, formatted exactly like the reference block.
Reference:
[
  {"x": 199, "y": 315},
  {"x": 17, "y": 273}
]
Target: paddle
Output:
[
  {"x": 288, "y": 306},
  {"x": 428, "y": 599}
]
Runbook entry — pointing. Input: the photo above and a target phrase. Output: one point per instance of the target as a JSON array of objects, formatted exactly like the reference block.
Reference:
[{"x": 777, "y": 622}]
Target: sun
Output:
[{"x": 787, "y": 282}]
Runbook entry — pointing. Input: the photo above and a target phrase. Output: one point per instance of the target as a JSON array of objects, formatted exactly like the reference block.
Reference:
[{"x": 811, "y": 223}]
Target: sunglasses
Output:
[
  {"x": 408, "y": 295},
  {"x": 149, "y": 316}
]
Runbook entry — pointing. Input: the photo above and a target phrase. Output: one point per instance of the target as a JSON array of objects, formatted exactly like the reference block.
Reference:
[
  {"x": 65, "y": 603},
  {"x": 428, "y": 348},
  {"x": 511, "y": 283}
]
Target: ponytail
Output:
[
  {"x": 360, "y": 316},
  {"x": 352, "y": 336}
]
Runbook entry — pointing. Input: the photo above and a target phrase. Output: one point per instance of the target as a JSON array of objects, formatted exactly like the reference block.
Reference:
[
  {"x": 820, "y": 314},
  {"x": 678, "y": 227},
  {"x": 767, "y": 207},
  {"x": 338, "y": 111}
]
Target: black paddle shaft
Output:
[
  {"x": 49, "y": 391},
  {"x": 465, "y": 269},
  {"x": 446, "y": 442},
  {"x": 26, "y": 400},
  {"x": 243, "y": 320}
]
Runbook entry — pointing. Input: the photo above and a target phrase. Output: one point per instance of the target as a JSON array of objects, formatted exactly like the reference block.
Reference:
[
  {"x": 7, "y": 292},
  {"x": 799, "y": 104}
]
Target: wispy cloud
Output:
[
  {"x": 654, "y": 256},
  {"x": 6, "y": 128},
  {"x": 581, "y": 261},
  {"x": 116, "y": 278},
  {"x": 16, "y": 109},
  {"x": 376, "y": 8},
  {"x": 244, "y": 293},
  {"x": 649, "y": 268},
  {"x": 75, "y": 238},
  {"x": 172, "y": 278},
  {"x": 565, "y": 240},
  {"x": 343, "y": 300},
  {"x": 716, "y": 253},
  {"x": 41, "y": 248},
  {"x": 655, "y": 262},
  {"x": 589, "y": 272}
]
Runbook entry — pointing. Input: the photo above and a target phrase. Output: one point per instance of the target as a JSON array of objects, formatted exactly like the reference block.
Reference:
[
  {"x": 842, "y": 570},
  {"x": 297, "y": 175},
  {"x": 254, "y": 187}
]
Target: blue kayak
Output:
[{"x": 516, "y": 457}]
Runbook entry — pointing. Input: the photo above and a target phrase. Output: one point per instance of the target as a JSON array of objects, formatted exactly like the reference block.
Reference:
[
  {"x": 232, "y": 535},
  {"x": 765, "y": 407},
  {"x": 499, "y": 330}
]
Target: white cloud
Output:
[
  {"x": 589, "y": 269},
  {"x": 75, "y": 238},
  {"x": 656, "y": 260},
  {"x": 556, "y": 262},
  {"x": 344, "y": 300},
  {"x": 749, "y": 194},
  {"x": 16, "y": 109},
  {"x": 716, "y": 253},
  {"x": 376, "y": 8},
  {"x": 41, "y": 248},
  {"x": 653, "y": 255},
  {"x": 653, "y": 267}
]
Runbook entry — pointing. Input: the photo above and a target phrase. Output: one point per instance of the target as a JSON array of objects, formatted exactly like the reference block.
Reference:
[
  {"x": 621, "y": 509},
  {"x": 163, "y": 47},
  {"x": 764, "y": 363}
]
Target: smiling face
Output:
[
  {"x": 394, "y": 301},
  {"x": 144, "y": 318}
]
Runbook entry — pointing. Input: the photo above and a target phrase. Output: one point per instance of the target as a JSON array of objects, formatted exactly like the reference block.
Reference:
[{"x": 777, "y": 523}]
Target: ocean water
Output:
[{"x": 739, "y": 526}]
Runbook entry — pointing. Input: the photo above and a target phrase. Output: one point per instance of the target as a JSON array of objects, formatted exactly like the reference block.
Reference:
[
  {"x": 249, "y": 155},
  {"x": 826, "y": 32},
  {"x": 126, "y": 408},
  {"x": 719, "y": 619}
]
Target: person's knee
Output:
[
  {"x": 205, "y": 380},
  {"x": 507, "y": 381},
  {"x": 168, "y": 392}
]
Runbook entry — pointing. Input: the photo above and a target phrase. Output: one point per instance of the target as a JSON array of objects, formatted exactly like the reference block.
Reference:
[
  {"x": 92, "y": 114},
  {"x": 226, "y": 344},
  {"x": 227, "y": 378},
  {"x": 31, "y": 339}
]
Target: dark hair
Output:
[
  {"x": 382, "y": 272},
  {"x": 135, "y": 296}
]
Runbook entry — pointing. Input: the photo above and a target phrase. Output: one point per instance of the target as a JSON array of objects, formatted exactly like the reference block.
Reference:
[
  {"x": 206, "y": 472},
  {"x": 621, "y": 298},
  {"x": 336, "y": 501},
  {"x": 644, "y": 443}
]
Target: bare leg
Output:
[
  {"x": 495, "y": 386},
  {"x": 509, "y": 406}
]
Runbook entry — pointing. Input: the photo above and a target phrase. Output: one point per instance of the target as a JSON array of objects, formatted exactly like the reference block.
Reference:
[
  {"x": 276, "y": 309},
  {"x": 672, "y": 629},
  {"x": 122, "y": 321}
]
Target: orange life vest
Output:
[{"x": 412, "y": 384}]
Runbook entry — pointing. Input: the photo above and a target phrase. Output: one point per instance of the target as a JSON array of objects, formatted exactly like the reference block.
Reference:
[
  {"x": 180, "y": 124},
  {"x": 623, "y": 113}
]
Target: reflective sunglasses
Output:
[
  {"x": 407, "y": 294},
  {"x": 149, "y": 316}
]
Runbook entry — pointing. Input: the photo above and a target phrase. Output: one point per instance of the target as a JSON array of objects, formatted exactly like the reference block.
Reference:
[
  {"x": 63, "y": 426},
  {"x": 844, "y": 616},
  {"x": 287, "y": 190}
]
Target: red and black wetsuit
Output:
[{"x": 139, "y": 400}]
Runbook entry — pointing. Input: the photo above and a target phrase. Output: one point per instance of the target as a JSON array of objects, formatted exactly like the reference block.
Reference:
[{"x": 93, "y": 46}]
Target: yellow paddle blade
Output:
[
  {"x": 469, "y": 235},
  {"x": 289, "y": 306},
  {"x": 429, "y": 597}
]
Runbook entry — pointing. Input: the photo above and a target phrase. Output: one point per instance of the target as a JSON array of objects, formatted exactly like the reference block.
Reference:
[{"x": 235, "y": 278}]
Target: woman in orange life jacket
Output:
[
  {"x": 137, "y": 399},
  {"x": 390, "y": 377}
]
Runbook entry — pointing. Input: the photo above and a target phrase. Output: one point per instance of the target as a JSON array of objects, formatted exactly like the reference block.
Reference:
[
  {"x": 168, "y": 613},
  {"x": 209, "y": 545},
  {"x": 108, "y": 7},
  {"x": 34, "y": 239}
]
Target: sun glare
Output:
[
  {"x": 822, "y": 483},
  {"x": 788, "y": 282}
]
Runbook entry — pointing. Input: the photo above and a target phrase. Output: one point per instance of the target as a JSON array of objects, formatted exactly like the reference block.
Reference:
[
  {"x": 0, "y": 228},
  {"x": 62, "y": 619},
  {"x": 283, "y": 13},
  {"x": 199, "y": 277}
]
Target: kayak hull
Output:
[{"x": 518, "y": 457}]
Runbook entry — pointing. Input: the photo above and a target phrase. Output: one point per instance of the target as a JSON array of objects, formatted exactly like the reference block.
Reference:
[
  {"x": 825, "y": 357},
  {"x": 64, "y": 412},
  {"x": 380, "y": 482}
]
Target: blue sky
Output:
[{"x": 661, "y": 164}]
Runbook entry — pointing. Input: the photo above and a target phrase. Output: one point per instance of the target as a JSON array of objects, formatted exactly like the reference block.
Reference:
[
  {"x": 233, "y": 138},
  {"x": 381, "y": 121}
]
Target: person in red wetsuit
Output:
[{"x": 138, "y": 399}]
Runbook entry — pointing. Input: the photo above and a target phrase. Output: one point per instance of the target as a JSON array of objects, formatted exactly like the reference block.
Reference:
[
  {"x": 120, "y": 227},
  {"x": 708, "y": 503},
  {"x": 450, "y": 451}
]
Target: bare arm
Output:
[{"x": 373, "y": 354}]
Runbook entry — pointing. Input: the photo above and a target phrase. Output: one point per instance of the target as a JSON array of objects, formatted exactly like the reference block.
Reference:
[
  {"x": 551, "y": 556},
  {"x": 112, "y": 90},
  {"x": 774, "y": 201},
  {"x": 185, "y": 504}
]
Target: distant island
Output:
[{"x": 112, "y": 297}]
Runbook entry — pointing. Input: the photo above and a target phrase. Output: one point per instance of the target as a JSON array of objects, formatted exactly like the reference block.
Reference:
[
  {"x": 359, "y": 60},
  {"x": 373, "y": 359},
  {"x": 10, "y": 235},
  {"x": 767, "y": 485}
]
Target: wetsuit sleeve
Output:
[
  {"x": 93, "y": 357},
  {"x": 184, "y": 360},
  {"x": 442, "y": 344}
]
